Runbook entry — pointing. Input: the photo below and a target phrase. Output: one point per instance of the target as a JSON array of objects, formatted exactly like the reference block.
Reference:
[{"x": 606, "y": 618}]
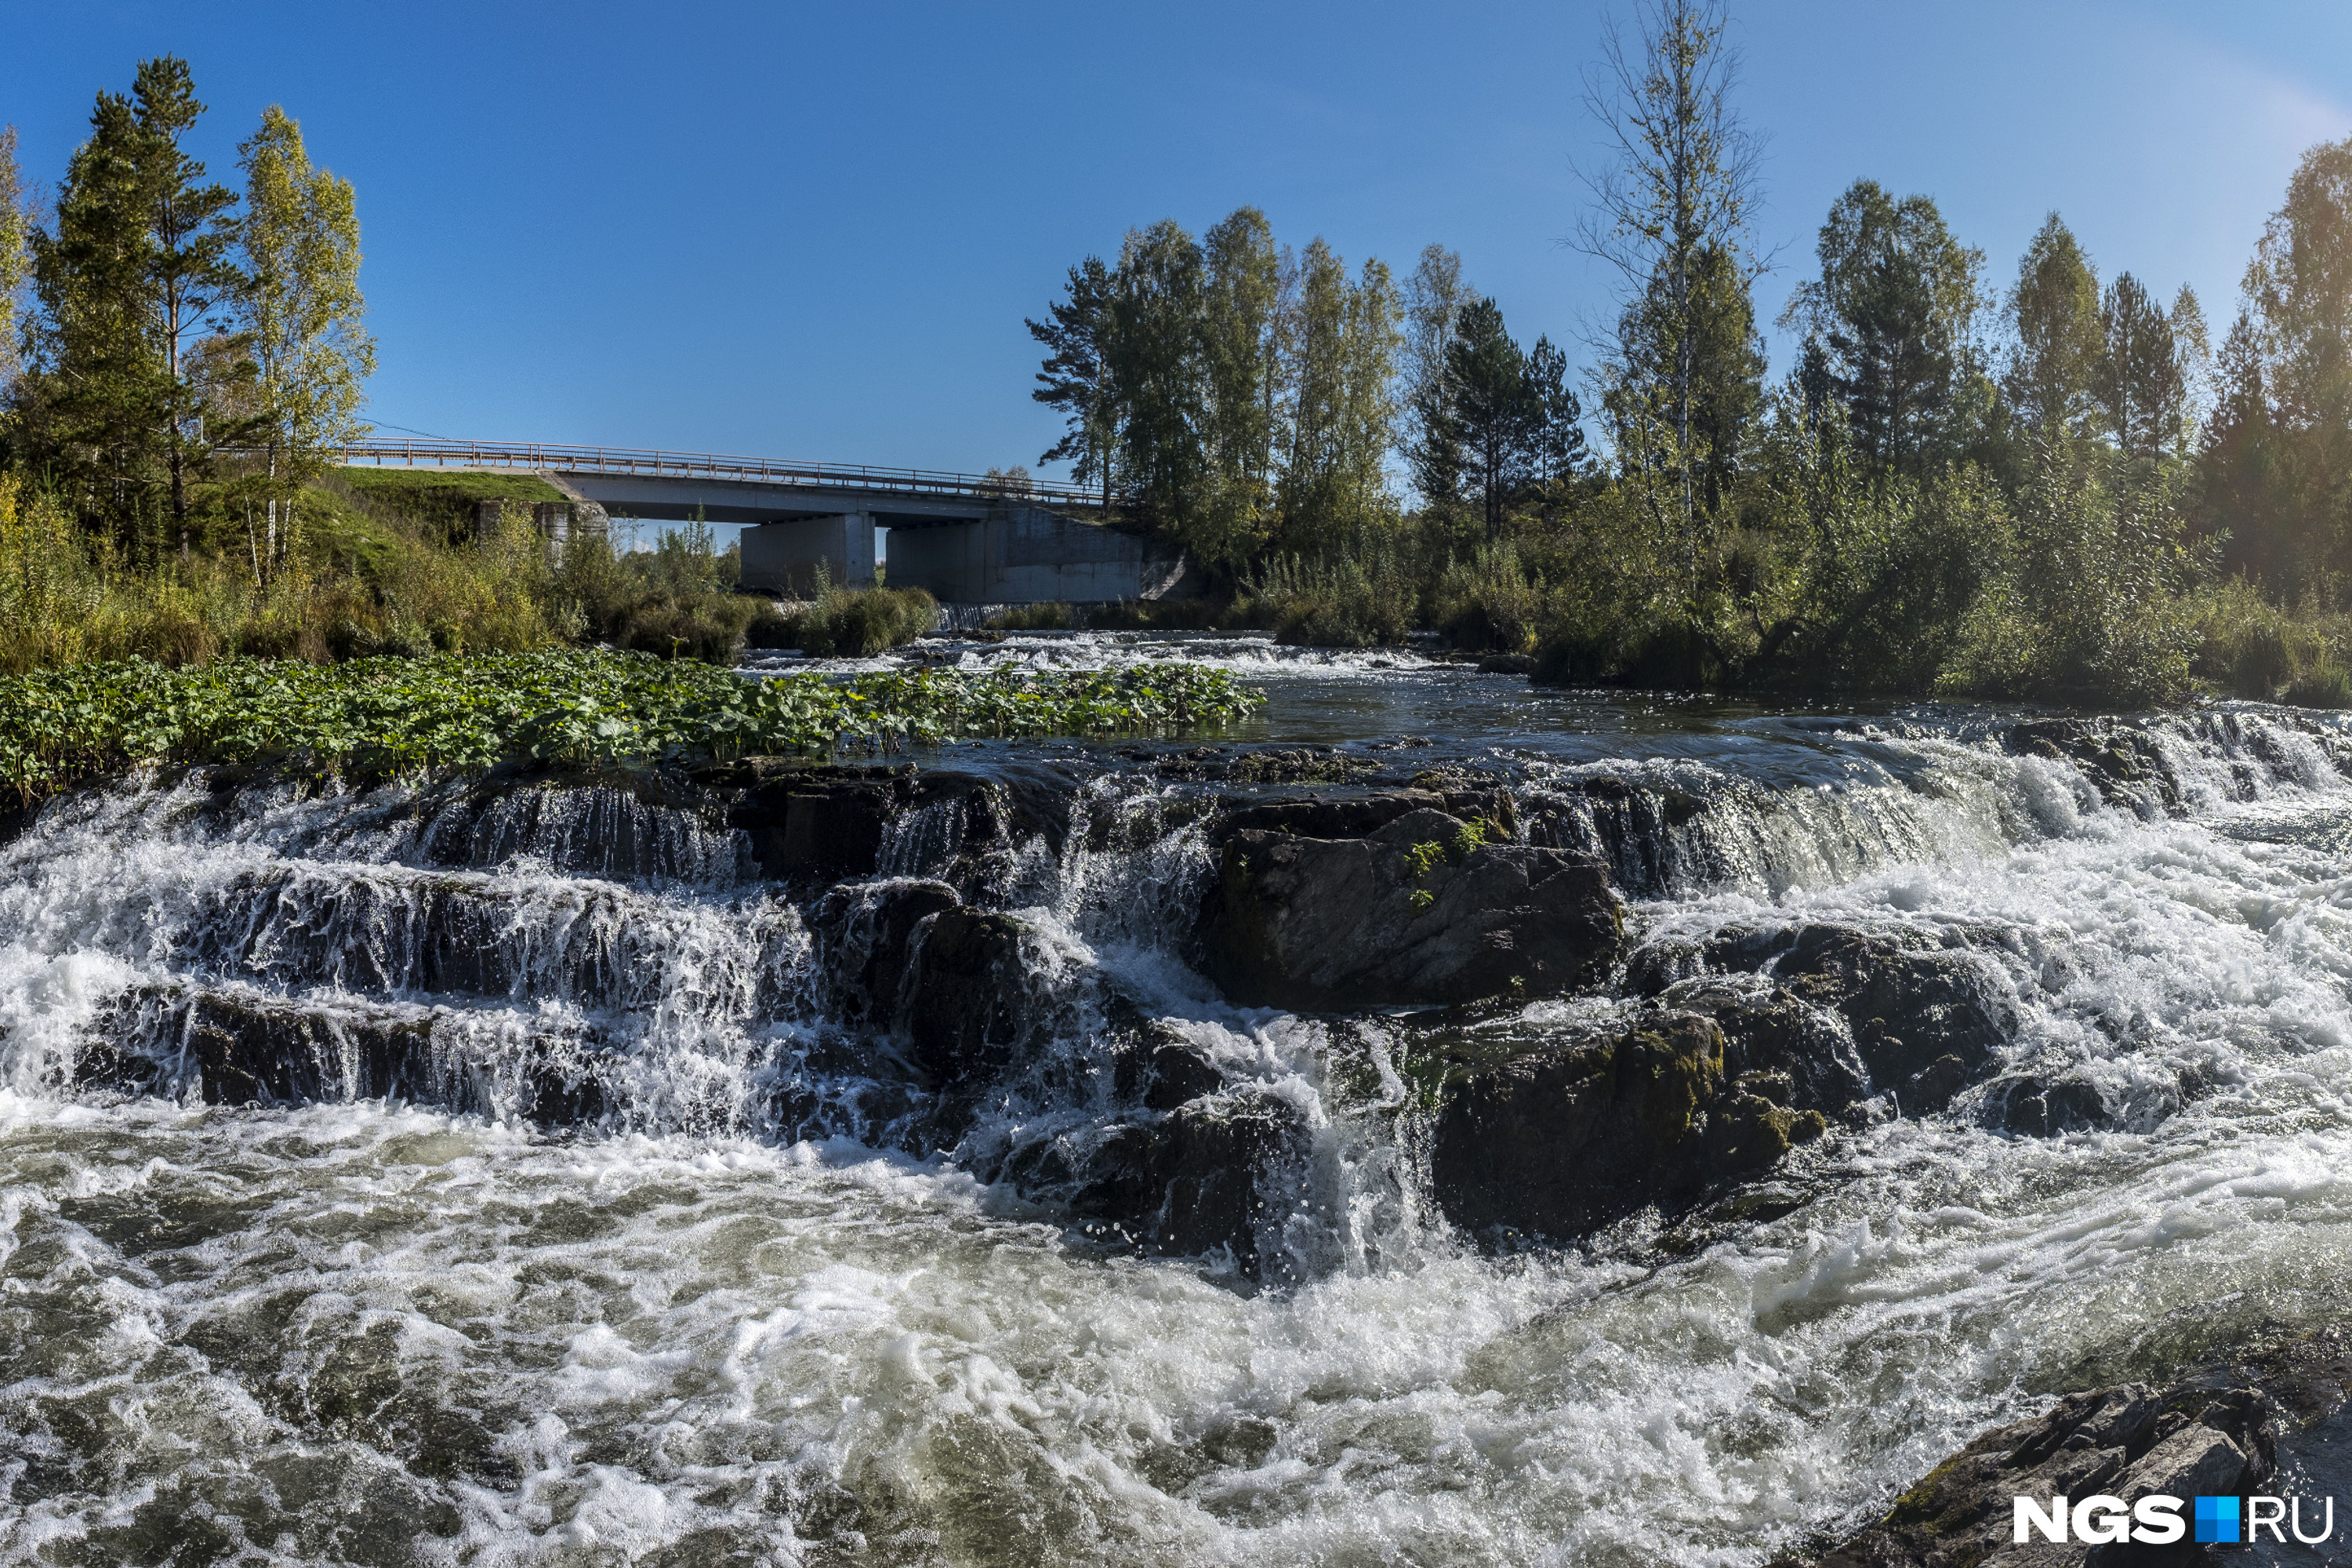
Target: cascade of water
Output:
[{"x": 801, "y": 1261}]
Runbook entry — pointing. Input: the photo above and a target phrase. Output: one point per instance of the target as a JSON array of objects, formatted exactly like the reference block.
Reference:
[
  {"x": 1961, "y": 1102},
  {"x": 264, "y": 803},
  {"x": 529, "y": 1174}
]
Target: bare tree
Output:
[{"x": 1674, "y": 195}]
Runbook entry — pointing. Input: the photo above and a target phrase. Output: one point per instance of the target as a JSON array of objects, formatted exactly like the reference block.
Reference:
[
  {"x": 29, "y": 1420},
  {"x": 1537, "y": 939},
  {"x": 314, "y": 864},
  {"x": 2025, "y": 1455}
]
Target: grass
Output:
[
  {"x": 382, "y": 717},
  {"x": 446, "y": 502},
  {"x": 1049, "y": 616},
  {"x": 359, "y": 577},
  {"x": 849, "y": 623}
]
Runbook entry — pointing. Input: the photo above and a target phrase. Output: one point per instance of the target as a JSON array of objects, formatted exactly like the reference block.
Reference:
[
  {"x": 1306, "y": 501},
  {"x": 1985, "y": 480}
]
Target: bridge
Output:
[{"x": 968, "y": 538}]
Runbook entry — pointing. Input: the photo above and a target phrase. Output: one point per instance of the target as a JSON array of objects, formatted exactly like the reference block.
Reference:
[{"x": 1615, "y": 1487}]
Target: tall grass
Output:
[
  {"x": 2248, "y": 646},
  {"x": 364, "y": 579},
  {"x": 1355, "y": 597},
  {"x": 1489, "y": 602},
  {"x": 847, "y": 623}
]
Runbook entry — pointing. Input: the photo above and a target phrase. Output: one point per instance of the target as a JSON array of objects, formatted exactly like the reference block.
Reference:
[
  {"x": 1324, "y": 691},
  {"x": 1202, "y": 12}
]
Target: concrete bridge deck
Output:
[{"x": 983, "y": 540}]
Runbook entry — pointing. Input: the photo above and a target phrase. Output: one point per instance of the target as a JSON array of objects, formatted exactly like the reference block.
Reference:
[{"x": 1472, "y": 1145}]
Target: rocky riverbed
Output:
[{"x": 1591, "y": 1132}]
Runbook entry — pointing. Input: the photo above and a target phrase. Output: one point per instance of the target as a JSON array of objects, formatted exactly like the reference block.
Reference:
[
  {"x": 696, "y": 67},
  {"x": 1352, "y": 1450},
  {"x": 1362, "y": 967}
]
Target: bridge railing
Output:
[{"x": 705, "y": 464}]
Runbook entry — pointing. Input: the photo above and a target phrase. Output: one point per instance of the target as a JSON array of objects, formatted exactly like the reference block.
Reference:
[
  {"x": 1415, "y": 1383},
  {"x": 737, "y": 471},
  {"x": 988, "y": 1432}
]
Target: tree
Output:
[
  {"x": 1894, "y": 312},
  {"x": 192, "y": 268},
  {"x": 1681, "y": 184},
  {"x": 1434, "y": 298},
  {"x": 2300, "y": 283},
  {"x": 1157, "y": 365},
  {"x": 2195, "y": 350},
  {"x": 1076, "y": 376},
  {"x": 1344, "y": 343},
  {"x": 129, "y": 284},
  {"x": 2140, "y": 389},
  {"x": 1726, "y": 356},
  {"x": 2055, "y": 365},
  {"x": 90, "y": 405},
  {"x": 2239, "y": 483},
  {"x": 1556, "y": 449},
  {"x": 14, "y": 255},
  {"x": 1491, "y": 416},
  {"x": 302, "y": 311},
  {"x": 2275, "y": 467},
  {"x": 1242, "y": 297}
]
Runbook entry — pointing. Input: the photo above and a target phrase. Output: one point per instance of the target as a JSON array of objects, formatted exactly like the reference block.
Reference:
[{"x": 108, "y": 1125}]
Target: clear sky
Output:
[{"x": 814, "y": 231}]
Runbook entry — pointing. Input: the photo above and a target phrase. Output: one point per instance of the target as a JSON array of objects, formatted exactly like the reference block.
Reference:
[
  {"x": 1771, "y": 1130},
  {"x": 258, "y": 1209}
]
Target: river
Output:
[{"x": 395, "y": 1330}]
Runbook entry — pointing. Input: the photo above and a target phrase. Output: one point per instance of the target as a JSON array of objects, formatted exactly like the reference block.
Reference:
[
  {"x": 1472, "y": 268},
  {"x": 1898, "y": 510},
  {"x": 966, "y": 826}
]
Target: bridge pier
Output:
[
  {"x": 1024, "y": 554},
  {"x": 782, "y": 557}
]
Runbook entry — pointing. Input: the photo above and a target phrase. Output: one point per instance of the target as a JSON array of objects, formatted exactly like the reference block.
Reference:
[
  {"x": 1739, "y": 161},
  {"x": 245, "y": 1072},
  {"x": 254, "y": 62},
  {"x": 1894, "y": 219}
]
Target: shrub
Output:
[
  {"x": 1358, "y": 597},
  {"x": 859, "y": 623},
  {"x": 1488, "y": 603}
]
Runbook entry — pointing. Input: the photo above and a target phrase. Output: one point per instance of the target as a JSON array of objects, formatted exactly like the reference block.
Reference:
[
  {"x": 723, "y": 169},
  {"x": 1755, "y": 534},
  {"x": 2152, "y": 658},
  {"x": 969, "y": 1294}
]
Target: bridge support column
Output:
[{"x": 783, "y": 557}]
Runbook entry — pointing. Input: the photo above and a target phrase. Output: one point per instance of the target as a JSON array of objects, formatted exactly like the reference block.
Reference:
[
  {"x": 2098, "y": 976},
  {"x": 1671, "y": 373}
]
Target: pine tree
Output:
[
  {"x": 2195, "y": 349},
  {"x": 1894, "y": 312},
  {"x": 1556, "y": 449},
  {"x": 193, "y": 271},
  {"x": 131, "y": 283},
  {"x": 1077, "y": 377},
  {"x": 2139, "y": 389},
  {"x": 91, "y": 407},
  {"x": 1492, "y": 418},
  {"x": 302, "y": 313},
  {"x": 2056, "y": 371}
]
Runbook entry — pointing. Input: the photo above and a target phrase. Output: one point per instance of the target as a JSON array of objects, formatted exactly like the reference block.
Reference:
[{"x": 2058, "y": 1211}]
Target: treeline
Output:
[
  {"x": 2049, "y": 487},
  {"x": 1245, "y": 398}
]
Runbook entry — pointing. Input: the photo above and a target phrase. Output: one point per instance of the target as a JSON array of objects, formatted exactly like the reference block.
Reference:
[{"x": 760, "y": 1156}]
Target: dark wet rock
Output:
[
  {"x": 1507, "y": 664},
  {"x": 1767, "y": 1029},
  {"x": 1161, "y": 1070},
  {"x": 822, "y": 825},
  {"x": 236, "y": 1049},
  {"x": 2123, "y": 761},
  {"x": 969, "y": 1004},
  {"x": 1550, "y": 1145},
  {"x": 1474, "y": 796},
  {"x": 1927, "y": 1022},
  {"x": 1345, "y": 923},
  {"x": 2275, "y": 1420},
  {"x": 1324, "y": 815},
  {"x": 2044, "y": 1105},
  {"x": 1309, "y": 764},
  {"x": 1220, "y": 1177},
  {"x": 866, "y": 933},
  {"x": 806, "y": 823}
]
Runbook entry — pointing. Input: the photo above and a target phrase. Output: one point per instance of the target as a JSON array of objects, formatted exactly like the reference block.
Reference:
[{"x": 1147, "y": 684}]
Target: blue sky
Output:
[{"x": 813, "y": 232}]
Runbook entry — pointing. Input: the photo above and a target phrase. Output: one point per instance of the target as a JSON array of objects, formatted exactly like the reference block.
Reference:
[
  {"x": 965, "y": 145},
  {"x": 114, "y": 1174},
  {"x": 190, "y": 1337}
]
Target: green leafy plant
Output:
[{"x": 384, "y": 716}]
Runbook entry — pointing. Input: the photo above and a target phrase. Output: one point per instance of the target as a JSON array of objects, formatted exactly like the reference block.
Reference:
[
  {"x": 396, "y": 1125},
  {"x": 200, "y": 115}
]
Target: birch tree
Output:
[
  {"x": 304, "y": 314},
  {"x": 15, "y": 255},
  {"x": 1679, "y": 180}
]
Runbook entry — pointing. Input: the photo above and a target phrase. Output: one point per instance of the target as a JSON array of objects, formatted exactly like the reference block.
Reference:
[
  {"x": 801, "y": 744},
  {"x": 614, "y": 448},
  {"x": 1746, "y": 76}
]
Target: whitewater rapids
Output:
[{"x": 376, "y": 1332}]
